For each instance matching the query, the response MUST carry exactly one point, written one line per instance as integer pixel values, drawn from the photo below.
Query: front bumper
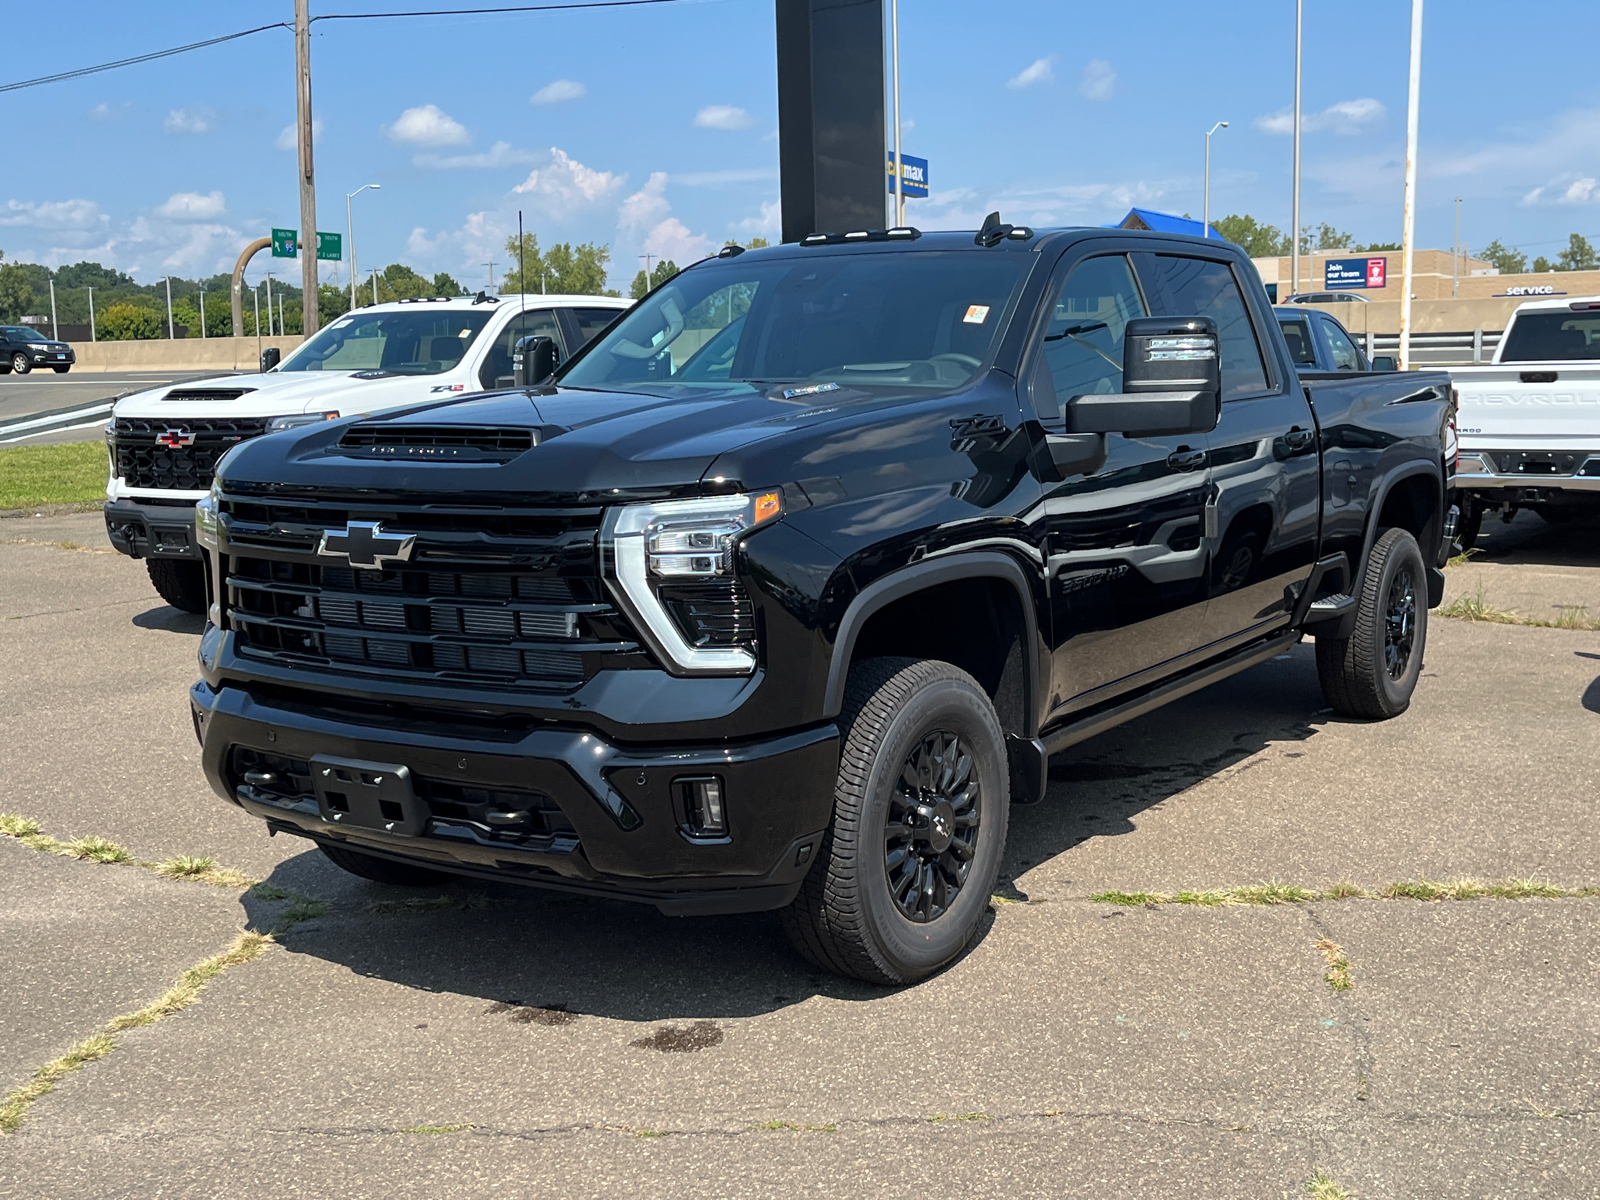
(624, 833)
(141, 529)
(52, 358)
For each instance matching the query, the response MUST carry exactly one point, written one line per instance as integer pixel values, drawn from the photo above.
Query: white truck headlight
(670, 566)
(279, 424)
(205, 520)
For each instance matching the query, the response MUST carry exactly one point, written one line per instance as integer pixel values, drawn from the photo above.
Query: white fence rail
(1438, 349)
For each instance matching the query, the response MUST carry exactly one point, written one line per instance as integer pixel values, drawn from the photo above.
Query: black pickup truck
(779, 593)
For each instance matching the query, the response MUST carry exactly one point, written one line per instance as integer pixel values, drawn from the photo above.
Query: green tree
(1251, 236)
(1578, 256)
(659, 274)
(400, 282)
(564, 268)
(1541, 265)
(756, 243)
(1326, 237)
(445, 285)
(16, 292)
(1510, 261)
(332, 303)
(1381, 246)
(128, 322)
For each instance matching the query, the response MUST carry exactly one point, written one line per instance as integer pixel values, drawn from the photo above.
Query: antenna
(522, 283)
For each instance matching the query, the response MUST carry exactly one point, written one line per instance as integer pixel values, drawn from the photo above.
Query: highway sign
(914, 175)
(285, 243)
(330, 246)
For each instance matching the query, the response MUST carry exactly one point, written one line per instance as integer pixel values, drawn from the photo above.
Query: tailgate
(1550, 403)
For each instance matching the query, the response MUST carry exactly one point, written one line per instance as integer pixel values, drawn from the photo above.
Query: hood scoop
(438, 443)
(201, 395)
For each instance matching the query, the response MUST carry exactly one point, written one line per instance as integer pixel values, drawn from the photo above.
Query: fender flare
(1375, 510)
(930, 572)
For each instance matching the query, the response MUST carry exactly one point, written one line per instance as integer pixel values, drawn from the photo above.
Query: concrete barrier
(181, 354)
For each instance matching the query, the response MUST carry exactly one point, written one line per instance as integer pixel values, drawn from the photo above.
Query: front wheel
(62, 370)
(20, 364)
(921, 805)
(1371, 674)
(180, 582)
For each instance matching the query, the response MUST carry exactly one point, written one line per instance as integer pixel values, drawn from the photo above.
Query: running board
(1062, 736)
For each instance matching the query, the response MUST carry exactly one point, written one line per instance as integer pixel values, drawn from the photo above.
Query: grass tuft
(184, 867)
(1476, 607)
(1321, 1186)
(1132, 899)
(1338, 975)
(14, 826)
(1272, 893)
(246, 947)
(1204, 899)
(15, 1106)
(1345, 891)
(98, 849)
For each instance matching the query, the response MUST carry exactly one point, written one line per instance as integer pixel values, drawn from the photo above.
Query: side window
(1197, 287)
(1083, 343)
(1301, 350)
(1345, 355)
(592, 320)
(496, 369)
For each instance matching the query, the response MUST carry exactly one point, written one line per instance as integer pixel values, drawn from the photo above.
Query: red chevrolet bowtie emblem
(176, 439)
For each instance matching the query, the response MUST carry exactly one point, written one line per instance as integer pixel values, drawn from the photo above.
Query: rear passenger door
(1261, 516)
(495, 371)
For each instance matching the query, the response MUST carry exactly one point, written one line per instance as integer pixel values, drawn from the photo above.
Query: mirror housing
(1385, 362)
(270, 357)
(533, 360)
(1171, 382)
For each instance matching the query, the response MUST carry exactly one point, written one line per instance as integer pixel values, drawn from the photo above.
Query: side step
(1330, 607)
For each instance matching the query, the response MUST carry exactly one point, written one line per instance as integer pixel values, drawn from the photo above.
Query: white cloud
(104, 111)
(1567, 189)
(559, 90)
(672, 239)
(426, 125)
(289, 137)
(767, 224)
(202, 246)
(566, 184)
(1346, 118)
(192, 206)
(722, 116)
(500, 154)
(1041, 70)
(646, 206)
(731, 175)
(1098, 79)
(53, 215)
(190, 120)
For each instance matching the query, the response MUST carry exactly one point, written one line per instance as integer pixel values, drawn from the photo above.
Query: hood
(284, 393)
(588, 445)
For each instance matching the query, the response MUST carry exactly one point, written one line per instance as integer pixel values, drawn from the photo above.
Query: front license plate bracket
(367, 795)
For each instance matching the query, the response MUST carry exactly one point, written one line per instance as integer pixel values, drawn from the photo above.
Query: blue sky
(654, 129)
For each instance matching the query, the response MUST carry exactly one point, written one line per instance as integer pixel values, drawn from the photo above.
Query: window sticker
(977, 314)
(465, 333)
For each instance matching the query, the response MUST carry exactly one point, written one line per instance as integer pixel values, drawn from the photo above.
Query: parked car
(1530, 421)
(788, 585)
(1326, 298)
(1317, 342)
(22, 348)
(165, 443)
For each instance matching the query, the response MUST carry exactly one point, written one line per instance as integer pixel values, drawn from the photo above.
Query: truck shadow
(170, 620)
(542, 957)
(1531, 540)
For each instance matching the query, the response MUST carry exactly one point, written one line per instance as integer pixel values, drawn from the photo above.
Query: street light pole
(269, 303)
(1413, 102)
(350, 235)
(894, 67)
(1455, 256)
(171, 332)
(54, 335)
(92, 336)
(202, 314)
(1205, 232)
(1294, 219)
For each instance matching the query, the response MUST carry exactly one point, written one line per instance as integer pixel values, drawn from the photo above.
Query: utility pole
(490, 265)
(308, 184)
(894, 68)
(269, 303)
(171, 332)
(375, 283)
(255, 294)
(54, 336)
(202, 314)
(1205, 223)
(1294, 220)
(1413, 102)
(1455, 256)
(647, 258)
(92, 336)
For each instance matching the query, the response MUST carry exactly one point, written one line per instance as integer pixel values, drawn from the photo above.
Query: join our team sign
(1355, 272)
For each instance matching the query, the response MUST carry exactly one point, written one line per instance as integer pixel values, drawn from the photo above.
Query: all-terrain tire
(906, 718)
(1371, 674)
(383, 870)
(180, 581)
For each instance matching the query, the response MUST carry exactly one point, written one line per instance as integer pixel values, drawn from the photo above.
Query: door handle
(1185, 459)
(1297, 438)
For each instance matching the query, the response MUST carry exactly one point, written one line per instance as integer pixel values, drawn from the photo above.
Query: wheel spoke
(931, 831)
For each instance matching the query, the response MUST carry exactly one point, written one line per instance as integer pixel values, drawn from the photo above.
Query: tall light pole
(53, 334)
(1455, 256)
(1294, 218)
(1413, 102)
(350, 235)
(894, 67)
(202, 314)
(1206, 210)
(171, 333)
(269, 303)
(92, 336)
(308, 184)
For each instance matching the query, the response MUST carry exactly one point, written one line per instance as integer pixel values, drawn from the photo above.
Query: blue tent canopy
(1159, 222)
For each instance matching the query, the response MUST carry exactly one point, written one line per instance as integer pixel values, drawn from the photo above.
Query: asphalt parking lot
(493, 1041)
(42, 407)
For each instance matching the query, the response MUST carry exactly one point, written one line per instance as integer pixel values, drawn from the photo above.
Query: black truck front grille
(454, 613)
(179, 454)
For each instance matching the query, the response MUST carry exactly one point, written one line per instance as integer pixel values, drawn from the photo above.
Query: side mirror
(270, 357)
(533, 360)
(1171, 382)
(1385, 362)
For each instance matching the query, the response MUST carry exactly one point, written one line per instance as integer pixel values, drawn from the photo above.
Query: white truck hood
(1498, 409)
(278, 394)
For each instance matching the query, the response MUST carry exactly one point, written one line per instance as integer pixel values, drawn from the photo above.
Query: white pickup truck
(164, 444)
(1529, 423)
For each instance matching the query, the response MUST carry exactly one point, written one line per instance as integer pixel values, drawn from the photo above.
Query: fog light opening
(703, 811)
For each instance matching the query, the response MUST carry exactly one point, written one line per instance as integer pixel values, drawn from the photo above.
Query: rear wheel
(383, 870)
(20, 364)
(182, 583)
(920, 811)
(1372, 673)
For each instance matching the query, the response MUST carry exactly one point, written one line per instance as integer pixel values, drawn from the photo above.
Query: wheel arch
(1411, 498)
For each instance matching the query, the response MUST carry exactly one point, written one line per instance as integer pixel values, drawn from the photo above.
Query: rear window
(1301, 351)
(1552, 337)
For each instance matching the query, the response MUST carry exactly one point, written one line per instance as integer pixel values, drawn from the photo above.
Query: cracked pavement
(490, 1046)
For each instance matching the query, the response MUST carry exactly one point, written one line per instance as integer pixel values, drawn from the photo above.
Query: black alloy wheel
(1400, 622)
(934, 822)
(1371, 674)
(20, 364)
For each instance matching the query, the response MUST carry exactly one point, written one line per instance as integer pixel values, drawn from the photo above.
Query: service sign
(1340, 273)
(913, 176)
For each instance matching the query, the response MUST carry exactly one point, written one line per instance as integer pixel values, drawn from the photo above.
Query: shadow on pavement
(170, 620)
(543, 950)
(1530, 539)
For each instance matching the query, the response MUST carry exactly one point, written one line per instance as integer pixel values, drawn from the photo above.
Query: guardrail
(1438, 349)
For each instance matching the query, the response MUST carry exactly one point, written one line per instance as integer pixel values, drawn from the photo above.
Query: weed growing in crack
(435, 1128)
(792, 1127)
(18, 827)
(15, 1106)
(98, 849)
(967, 1116)
(1338, 975)
(1321, 1186)
(1284, 893)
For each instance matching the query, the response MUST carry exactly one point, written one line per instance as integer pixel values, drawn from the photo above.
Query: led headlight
(279, 424)
(205, 520)
(658, 550)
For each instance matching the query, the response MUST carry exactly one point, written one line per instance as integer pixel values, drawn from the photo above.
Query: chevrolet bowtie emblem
(175, 439)
(364, 544)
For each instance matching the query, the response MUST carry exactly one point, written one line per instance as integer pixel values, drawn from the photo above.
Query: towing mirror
(1171, 380)
(534, 359)
(270, 357)
(1384, 362)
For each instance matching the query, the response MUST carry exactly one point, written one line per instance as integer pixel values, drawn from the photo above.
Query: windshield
(396, 343)
(1552, 336)
(928, 319)
(21, 333)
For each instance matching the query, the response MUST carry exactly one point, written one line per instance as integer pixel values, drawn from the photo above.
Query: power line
(140, 58)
